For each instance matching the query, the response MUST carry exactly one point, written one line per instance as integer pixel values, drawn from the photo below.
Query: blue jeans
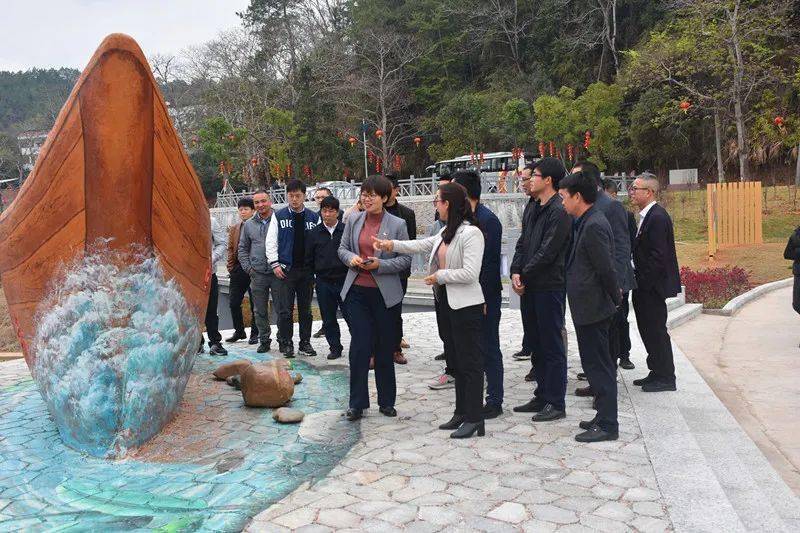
(493, 363)
(373, 331)
(544, 314)
(330, 300)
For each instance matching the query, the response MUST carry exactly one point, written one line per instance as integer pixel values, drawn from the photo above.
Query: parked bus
(493, 167)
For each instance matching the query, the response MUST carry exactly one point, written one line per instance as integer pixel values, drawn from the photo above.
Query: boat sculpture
(105, 258)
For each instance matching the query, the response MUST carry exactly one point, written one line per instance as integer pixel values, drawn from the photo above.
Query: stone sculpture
(106, 258)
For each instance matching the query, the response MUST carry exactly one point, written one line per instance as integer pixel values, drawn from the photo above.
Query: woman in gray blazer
(372, 295)
(455, 254)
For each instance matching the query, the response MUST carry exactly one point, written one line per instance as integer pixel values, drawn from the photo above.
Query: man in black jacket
(792, 252)
(617, 218)
(322, 258)
(537, 275)
(593, 296)
(657, 278)
(393, 207)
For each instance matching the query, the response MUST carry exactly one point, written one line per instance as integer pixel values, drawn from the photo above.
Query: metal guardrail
(421, 187)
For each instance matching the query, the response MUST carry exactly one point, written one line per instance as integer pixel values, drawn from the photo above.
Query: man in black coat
(792, 252)
(393, 207)
(657, 278)
(593, 295)
(617, 217)
(537, 275)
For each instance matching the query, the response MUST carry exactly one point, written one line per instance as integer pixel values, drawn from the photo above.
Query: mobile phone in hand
(367, 262)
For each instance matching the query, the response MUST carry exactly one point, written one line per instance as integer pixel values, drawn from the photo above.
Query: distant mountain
(31, 100)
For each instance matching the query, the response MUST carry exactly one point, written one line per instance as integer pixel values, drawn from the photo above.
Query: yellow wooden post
(712, 219)
(759, 215)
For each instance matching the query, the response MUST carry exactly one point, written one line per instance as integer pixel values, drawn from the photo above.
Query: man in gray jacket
(253, 258)
(219, 246)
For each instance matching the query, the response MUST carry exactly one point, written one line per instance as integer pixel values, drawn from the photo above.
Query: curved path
(750, 360)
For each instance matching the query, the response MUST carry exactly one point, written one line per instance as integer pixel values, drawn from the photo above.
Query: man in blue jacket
(285, 249)
(492, 289)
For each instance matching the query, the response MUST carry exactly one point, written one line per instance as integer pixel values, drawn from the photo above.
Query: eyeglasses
(634, 188)
(368, 195)
(437, 201)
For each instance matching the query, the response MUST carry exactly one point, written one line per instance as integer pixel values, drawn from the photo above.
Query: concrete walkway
(750, 360)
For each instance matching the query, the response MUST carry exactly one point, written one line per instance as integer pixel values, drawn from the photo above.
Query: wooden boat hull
(112, 168)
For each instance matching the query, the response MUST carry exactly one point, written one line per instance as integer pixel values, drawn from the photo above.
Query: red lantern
(370, 156)
(231, 136)
(587, 139)
(352, 141)
(779, 121)
(480, 158)
(307, 171)
(398, 162)
(288, 170)
(254, 161)
(378, 165)
(378, 133)
(417, 141)
(570, 152)
(541, 148)
(685, 105)
(221, 168)
(552, 148)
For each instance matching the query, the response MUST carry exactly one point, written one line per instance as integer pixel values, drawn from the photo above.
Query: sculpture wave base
(114, 347)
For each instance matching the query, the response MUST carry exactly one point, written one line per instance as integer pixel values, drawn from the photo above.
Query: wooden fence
(734, 214)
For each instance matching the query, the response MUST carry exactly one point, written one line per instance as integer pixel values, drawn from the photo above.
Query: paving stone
(510, 512)
(553, 513)
(335, 501)
(579, 505)
(439, 515)
(297, 518)
(417, 487)
(338, 518)
(599, 523)
(399, 514)
(615, 511)
(641, 494)
(370, 508)
(582, 479)
(618, 479)
(648, 509)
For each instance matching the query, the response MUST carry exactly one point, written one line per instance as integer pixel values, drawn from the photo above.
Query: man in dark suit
(657, 279)
(617, 217)
(593, 296)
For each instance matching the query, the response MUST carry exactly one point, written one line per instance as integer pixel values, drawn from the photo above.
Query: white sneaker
(445, 381)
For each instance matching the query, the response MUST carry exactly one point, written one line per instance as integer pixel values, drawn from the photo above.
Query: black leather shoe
(287, 350)
(533, 406)
(491, 411)
(388, 411)
(530, 376)
(217, 349)
(201, 349)
(596, 434)
(626, 363)
(354, 414)
(549, 413)
(237, 336)
(305, 348)
(264, 347)
(584, 391)
(319, 334)
(334, 355)
(468, 429)
(587, 424)
(647, 379)
(453, 423)
(658, 385)
(581, 376)
(253, 340)
(521, 355)
(439, 357)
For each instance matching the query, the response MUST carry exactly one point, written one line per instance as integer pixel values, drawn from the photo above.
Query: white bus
(493, 166)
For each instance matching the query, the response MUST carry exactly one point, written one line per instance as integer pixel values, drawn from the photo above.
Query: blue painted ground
(238, 463)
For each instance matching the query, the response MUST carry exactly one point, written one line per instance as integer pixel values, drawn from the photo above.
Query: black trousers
(372, 332)
(404, 284)
(796, 294)
(464, 349)
(212, 318)
(544, 318)
(330, 300)
(299, 284)
(623, 328)
(239, 286)
(601, 370)
(651, 318)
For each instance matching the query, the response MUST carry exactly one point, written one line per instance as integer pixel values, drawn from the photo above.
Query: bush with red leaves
(714, 287)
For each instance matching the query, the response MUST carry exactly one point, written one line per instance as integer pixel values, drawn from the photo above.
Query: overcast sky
(65, 33)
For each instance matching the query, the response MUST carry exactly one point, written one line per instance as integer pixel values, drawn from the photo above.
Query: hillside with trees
(707, 84)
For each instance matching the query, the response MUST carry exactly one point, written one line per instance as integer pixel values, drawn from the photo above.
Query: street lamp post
(364, 137)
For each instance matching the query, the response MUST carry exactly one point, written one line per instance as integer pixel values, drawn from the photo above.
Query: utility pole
(364, 137)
